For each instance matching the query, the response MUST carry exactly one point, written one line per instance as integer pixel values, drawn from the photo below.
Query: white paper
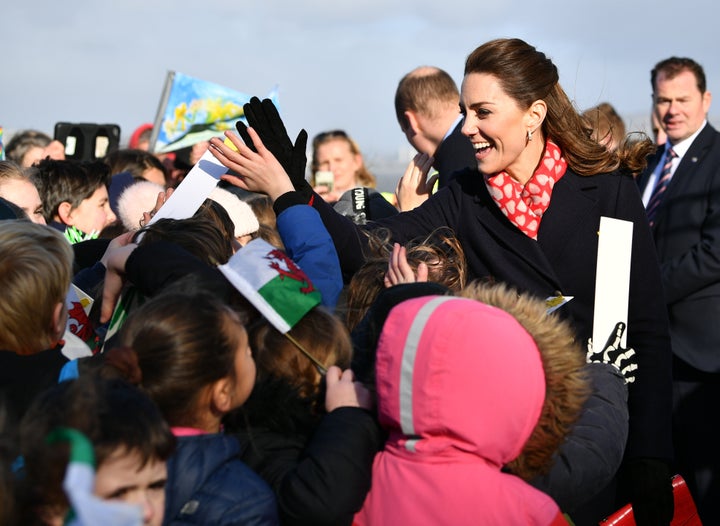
(612, 283)
(193, 190)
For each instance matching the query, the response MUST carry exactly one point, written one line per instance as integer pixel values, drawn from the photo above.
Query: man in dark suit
(681, 191)
(427, 104)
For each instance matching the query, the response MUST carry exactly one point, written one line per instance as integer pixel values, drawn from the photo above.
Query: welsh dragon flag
(272, 282)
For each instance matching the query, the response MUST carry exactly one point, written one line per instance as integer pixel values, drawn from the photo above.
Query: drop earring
(529, 136)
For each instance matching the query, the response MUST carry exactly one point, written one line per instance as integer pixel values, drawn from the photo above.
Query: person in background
(27, 147)
(335, 152)
(75, 197)
(426, 106)
(681, 189)
(140, 138)
(19, 189)
(141, 164)
(607, 125)
(347, 183)
(657, 131)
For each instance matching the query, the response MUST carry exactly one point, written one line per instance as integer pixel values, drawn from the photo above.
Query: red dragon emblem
(79, 325)
(287, 268)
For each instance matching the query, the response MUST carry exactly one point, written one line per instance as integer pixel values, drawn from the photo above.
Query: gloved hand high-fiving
(264, 118)
(624, 360)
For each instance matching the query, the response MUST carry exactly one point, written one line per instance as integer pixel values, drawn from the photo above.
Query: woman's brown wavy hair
(528, 75)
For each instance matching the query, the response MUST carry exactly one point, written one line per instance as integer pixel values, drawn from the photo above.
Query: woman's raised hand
(257, 172)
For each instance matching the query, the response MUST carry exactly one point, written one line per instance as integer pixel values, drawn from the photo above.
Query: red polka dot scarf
(525, 205)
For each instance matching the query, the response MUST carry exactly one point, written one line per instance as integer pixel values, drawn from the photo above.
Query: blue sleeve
(309, 244)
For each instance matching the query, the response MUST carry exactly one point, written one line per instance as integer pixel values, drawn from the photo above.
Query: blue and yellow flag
(193, 110)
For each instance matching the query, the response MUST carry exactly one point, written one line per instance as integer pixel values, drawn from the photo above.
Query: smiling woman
(529, 216)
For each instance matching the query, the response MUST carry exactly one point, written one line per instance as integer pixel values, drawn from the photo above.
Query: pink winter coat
(460, 387)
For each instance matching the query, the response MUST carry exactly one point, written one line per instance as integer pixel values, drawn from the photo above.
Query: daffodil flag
(79, 482)
(272, 282)
(192, 110)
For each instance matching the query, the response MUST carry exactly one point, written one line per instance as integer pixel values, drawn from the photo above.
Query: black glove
(264, 118)
(647, 483)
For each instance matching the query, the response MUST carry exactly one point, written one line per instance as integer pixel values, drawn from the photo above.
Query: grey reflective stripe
(407, 366)
(410, 444)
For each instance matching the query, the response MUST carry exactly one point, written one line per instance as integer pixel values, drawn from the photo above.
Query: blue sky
(336, 62)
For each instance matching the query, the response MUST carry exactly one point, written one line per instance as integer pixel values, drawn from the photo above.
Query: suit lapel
(689, 164)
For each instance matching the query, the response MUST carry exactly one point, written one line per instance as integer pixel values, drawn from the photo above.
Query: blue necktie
(661, 186)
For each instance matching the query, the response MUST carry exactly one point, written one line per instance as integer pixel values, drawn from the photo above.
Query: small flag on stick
(275, 285)
(79, 482)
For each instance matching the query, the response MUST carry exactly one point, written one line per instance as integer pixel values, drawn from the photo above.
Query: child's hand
(161, 199)
(342, 391)
(399, 270)
(114, 278)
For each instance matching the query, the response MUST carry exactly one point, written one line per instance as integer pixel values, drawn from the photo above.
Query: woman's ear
(536, 115)
(65, 213)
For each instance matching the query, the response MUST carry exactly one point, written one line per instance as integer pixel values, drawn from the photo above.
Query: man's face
(679, 105)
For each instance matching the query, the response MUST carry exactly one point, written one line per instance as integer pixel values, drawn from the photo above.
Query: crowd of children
(261, 361)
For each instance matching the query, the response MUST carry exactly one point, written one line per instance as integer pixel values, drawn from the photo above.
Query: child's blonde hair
(35, 273)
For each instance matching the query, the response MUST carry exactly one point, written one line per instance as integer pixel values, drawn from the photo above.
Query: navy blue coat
(208, 484)
(687, 238)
